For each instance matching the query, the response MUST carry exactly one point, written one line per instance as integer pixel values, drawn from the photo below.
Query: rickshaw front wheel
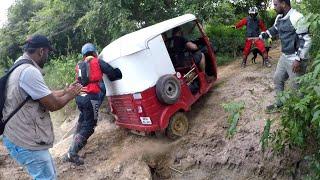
(178, 126)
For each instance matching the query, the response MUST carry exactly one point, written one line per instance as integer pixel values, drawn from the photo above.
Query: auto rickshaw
(155, 91)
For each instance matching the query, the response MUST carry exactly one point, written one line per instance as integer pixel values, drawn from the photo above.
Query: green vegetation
(234, 109)
(70, 24)
(265, 135)
(227, 40)
(224, 59)
(61, 71)
(1, 71)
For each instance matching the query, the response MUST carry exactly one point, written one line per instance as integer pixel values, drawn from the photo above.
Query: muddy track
(205, 153)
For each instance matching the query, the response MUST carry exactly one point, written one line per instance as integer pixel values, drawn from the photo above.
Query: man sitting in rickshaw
(181, 45)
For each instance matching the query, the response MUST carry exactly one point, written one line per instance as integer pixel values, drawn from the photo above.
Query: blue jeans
(38, 163)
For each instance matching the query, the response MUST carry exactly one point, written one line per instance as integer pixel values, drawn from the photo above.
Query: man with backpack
(89, 74)
(254, 25)
(28, 134)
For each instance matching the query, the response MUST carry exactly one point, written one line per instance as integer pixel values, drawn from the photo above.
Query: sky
(5, 4)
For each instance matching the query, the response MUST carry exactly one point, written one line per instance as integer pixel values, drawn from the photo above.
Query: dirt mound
(204, 153)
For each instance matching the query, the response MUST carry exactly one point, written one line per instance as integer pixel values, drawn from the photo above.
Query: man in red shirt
(254, 25)
(88, 100)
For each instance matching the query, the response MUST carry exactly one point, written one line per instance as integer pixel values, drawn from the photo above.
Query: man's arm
(62, 92)
(112, 73)
(302, 30)
(32, 82)
(271, 32)
(59, 93)
(53, 102)
(241, 23)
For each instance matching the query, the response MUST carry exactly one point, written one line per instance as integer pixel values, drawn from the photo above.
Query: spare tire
(168, 89)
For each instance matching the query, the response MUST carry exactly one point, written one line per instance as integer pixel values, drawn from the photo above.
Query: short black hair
(29, 50)
(286, 1)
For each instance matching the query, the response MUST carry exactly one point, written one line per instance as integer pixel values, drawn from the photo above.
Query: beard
(43, 61)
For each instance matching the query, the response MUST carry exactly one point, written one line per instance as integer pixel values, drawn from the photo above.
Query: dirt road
(205, 153)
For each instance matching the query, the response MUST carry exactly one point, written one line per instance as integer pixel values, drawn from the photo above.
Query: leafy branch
(266, 135)
(234, 109)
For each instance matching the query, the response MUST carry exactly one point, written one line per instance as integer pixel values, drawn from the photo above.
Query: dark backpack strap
(17, 109)
(17, 64)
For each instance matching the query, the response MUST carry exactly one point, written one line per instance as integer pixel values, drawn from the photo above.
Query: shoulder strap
(17, 64)
(17, 109)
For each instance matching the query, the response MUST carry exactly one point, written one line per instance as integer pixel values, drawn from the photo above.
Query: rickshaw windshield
(190, 30)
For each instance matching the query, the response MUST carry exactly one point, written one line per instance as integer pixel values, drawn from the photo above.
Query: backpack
(84, 72)
(3, 82)
(89, 71)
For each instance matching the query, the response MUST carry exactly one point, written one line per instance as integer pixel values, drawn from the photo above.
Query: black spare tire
(168, 89)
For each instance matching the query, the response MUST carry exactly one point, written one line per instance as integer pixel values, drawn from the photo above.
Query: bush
(268, 17)
(61, 71)
(228, 41)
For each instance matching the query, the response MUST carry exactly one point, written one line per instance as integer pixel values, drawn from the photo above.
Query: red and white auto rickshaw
(154, 93)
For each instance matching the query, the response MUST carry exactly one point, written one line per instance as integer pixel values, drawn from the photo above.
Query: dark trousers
(88, 106)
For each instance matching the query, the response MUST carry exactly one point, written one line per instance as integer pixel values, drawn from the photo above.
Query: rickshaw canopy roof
(138, 40)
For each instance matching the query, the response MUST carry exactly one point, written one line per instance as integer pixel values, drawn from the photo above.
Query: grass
(224, 59)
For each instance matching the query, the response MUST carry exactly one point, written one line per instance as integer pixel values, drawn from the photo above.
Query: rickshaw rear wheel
(168, 89)
(178, 126)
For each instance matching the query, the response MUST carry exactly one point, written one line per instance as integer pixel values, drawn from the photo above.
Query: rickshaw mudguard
(170, 111)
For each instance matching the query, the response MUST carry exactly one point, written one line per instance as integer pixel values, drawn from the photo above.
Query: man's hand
(264, 35)
(296, 66)
(53, 102)
(74, 89)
